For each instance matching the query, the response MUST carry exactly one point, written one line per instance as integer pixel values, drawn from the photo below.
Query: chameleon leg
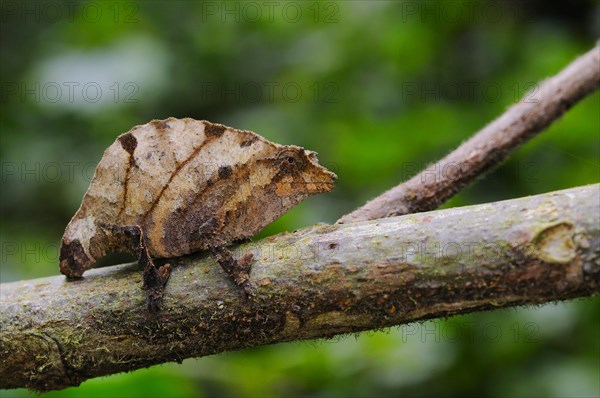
(237, 270)
(155, 278)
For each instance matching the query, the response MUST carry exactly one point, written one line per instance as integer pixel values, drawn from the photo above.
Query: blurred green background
(380, 89)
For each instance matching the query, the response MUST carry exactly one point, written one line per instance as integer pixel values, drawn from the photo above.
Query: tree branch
(490, 146)
(316, 282)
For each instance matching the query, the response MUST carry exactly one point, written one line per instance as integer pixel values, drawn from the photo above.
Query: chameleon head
(301, 171)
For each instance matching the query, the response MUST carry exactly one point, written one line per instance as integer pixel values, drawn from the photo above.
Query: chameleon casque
(177, 186)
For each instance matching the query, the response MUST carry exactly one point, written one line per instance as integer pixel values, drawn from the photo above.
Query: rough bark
(490, 146)
(315, 282)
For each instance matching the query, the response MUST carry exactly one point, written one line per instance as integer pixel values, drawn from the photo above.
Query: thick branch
(490, 146)
(316, 282)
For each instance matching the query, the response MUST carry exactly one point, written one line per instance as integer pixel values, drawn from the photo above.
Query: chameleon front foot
(238, 270)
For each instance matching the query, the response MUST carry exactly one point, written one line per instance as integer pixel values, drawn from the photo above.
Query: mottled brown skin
(176, 186)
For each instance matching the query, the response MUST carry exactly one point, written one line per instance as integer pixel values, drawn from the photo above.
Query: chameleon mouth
(326, 176)
(329, 184)
(324, 182)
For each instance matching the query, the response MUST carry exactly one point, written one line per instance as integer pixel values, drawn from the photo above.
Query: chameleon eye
(290, 159)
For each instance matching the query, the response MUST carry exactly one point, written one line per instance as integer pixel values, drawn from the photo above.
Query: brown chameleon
(177, 186)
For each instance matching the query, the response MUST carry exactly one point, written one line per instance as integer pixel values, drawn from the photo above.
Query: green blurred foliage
(379, 89)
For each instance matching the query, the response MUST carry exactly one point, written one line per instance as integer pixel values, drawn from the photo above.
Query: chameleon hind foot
(155, 278)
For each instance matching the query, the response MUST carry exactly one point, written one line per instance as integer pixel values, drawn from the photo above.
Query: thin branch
(490, 146)
(316, 282)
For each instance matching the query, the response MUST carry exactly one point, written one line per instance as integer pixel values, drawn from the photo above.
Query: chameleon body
(177, 186)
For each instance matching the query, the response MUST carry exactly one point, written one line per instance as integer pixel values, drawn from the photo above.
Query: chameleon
(174, 187)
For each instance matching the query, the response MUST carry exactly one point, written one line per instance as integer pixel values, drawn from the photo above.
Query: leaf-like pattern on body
(190, 185)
